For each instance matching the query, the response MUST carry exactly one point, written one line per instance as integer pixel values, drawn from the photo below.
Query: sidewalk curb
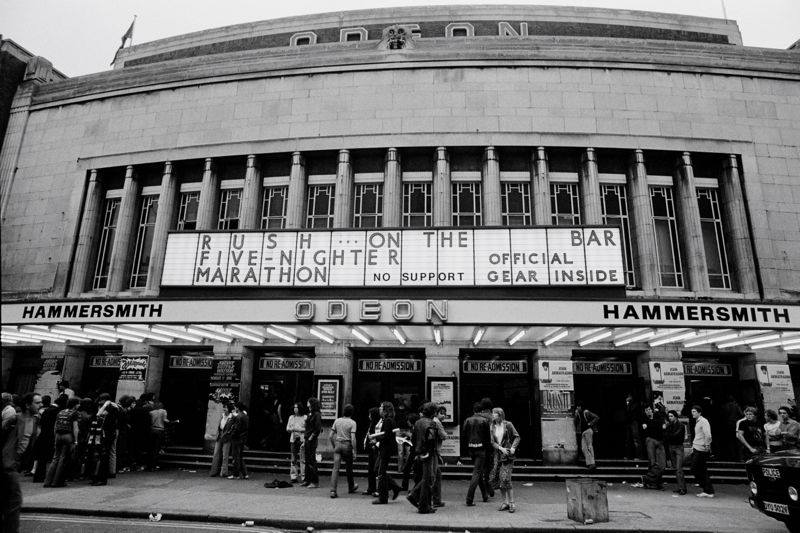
(301, 525)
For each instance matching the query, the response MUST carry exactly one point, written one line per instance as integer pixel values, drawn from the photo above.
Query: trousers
(478, 460)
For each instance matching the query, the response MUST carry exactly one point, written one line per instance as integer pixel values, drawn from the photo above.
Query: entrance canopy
(402, 321)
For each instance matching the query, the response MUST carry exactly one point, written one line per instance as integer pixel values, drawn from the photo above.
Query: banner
(393, 258)
(776, 385)
(132, 368)
(556, 375)
(667, 381)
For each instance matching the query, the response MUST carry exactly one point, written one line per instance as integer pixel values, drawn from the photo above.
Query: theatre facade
(540, 205)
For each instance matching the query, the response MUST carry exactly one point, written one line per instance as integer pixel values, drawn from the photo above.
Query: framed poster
(442, 392)
(329, 390)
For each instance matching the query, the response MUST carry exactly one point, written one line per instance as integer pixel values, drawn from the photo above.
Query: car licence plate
(772, 473)
(779, 508)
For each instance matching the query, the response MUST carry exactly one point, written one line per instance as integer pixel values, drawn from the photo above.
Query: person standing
(411, 465)
(424, 438)
(750, 433)
(239, 433)
(772, 432)
(11, 503)
(789, 429)
(387, 447)
(701, 450)
(653, 427)
(476, 431)
(674, 434)
(486, 413)
(28, 431)
(586, 423)
(222, 446)
(441, 436)
(66, 435)
(633, 421)
(296, 427)
(313, 429)
(63, 388)
(372, 453)
(158, 427)
(124, 444)
(505, 441)
(102, 433)
(343, 442)
(730, 415)
(46, 441)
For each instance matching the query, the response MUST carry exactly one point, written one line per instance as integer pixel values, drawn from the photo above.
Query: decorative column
(252, 195)
(590, 188)
(643, 234)
(333, 360)
(392, 190)
(442, 191)
(492, 203)
(164, 219)
(120, 253)
(737, 236)
(540, 187)
(87, 239)
(342, 203)
(689, 219)
(209, 198)
(296, 199)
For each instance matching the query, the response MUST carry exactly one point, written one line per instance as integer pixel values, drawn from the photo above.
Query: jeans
(676, 456)
(156, 442)
(238, 468)
(219, 464)
(58, 468)
(100, 462)
(700, 470)
(298, 461)
(385, 481)
(478, 460)
(112, 455)
(12, 501)
(633, 446)
(488, 464)
(657, 461)
(587, 446)
(437, 481)
(372, 471)
(420, 496)
(312, 473)
(342, 452)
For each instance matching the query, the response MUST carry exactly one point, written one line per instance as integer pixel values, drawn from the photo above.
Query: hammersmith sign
(393, 258)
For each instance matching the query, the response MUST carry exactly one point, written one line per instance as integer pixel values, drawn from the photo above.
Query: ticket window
(506, 380)
(601, 386)
(397, 377)
(280, 381)
(184, 392)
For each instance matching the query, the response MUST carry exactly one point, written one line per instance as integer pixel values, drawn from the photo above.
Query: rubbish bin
(587, 500)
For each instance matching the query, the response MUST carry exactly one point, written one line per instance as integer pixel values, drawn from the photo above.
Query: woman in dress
(505, 441)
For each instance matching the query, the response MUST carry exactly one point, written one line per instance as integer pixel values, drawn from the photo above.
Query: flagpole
(134, 23)
(724, 11)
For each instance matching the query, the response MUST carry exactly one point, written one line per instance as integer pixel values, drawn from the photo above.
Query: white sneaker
(704, 495)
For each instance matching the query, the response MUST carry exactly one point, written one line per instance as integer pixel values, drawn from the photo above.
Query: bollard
(587, 500)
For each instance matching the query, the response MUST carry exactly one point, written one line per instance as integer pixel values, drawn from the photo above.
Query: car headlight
(793, 494)
(754, 488)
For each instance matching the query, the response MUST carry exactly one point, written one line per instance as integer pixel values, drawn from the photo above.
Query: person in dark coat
(387, 447)
(313, 429)
(46, 442)
(476, 432)
(239, 434)
(424, 438)
(674, 435)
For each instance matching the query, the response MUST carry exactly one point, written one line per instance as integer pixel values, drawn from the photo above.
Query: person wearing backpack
(66, 435)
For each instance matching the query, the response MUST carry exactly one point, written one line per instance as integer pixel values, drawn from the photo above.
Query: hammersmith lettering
(696, 313)
(93, 311)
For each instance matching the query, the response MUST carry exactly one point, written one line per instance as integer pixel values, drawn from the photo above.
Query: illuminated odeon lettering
(371, 310)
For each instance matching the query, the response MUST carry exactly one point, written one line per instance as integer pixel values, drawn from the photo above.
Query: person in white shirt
(222, 446)
(701, 449)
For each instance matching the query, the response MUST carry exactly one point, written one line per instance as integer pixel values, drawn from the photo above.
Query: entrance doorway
(184, 393)
(505, 379)
(397, 377)
(714, 385)
(601, 385)
(281, 379)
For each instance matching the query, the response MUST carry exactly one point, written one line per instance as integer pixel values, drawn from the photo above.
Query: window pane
(466, 204)
(229, 204)
(273, 209)
(144, 241)
(319, 211)
(516, 200)
(106, 243)
(615, 213)
(666, 237)
(564, 204)
(417, 205)
(187, 212)
(713, 239)
(368, 205)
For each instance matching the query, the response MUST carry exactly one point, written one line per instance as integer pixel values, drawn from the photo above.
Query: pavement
(193, 496)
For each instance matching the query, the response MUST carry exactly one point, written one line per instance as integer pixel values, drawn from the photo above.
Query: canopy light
(239, 331)
(517, 336)
(398, 334)
(597, 336)
(672, 338)
(555, 336)
(478, 335)
(636, 337)
(275, 332)
(360, 335)
(321, 334)
(208, 334)
(437, 335)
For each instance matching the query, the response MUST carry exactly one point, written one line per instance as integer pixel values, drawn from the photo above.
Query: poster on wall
(226, 376)
(442, 393)
(667, 382)
(451, 446)
(556, 375)
(132, 368)
(775, 382)
(328, 394)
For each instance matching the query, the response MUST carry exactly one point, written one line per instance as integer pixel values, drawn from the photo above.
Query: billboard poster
(451, 446)
(442, 394)
(775, 382)
(556, 375)
(132, 368)
(226, 376)
(667, 382)
(328, 394)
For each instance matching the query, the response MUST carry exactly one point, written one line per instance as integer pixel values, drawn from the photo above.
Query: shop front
(505, 378)
(281, 379)
(394, 376)
(602, 382)
(185, 388)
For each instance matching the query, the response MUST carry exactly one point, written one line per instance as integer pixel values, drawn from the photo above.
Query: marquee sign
(390, 365)
(589, 256)
(495, 367)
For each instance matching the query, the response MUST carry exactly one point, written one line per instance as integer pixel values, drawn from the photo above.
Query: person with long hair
(313, 429)
(505, 441)
(372, 453)
(772, 432)
(343, 442)
(387, 447)
(296, 427)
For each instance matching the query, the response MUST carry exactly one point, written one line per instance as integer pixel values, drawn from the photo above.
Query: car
(775, 486)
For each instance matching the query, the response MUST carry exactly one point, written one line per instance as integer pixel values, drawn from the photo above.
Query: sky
(80, 36)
